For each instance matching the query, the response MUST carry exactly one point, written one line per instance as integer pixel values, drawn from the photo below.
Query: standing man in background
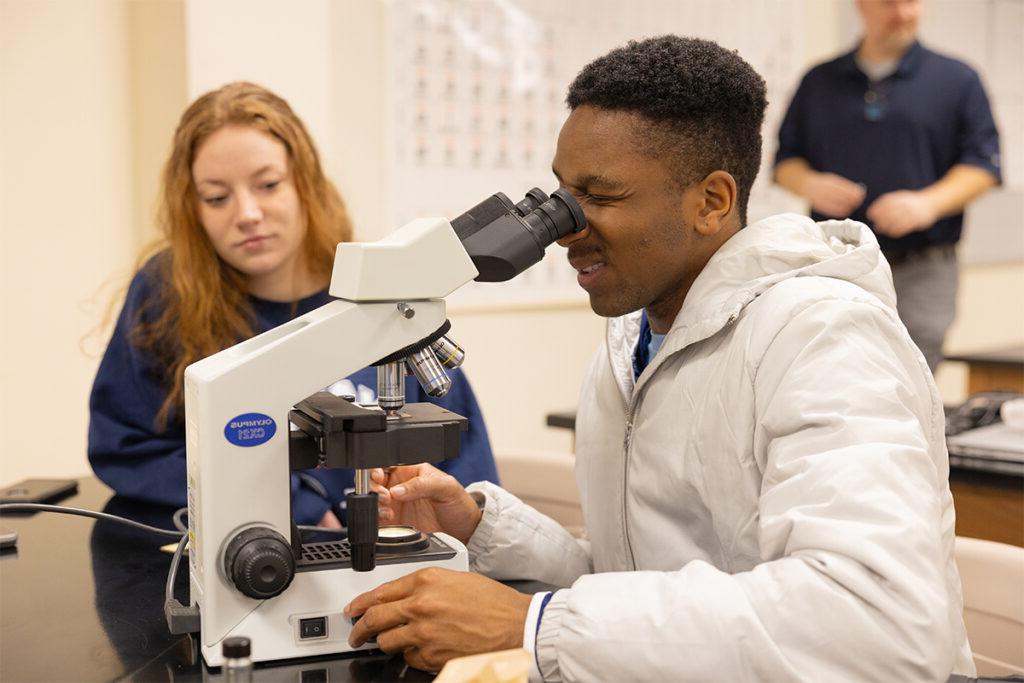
(902, 139)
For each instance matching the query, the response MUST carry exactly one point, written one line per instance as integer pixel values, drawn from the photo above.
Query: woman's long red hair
(203, 305)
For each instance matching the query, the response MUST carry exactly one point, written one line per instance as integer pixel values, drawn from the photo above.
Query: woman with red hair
(250, 224)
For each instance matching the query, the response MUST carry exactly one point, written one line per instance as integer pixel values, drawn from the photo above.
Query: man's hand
(831, 194)
(426, 498)
(434, 615)
(898, 213)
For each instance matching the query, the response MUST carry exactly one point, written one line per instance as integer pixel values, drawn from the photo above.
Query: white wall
(283, 46)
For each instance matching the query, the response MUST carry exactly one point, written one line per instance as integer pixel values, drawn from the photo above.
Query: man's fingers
(376, 620)
(855, 193)
(384, 593)
(849, 196)
(837, 196)
(416, 658)
(380, 490)
(397, 639)
(418, 488)
(834, 209)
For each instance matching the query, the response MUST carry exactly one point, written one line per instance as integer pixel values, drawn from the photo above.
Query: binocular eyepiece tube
(504, 239)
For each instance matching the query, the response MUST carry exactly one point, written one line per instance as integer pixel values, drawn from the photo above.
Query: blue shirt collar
(645, 350)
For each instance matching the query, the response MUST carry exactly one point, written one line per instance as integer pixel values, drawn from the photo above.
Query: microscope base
(307, 620)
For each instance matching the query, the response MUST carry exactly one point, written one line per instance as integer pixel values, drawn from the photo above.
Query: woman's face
(249, 206)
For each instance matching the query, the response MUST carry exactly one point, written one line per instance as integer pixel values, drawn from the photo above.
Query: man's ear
(717, 202)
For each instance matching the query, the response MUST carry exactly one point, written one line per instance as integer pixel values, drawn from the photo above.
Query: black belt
(945, 250)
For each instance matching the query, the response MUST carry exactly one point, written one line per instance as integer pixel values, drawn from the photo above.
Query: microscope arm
(238, 402)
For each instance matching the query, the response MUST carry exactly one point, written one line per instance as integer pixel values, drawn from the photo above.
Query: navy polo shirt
(929, 115)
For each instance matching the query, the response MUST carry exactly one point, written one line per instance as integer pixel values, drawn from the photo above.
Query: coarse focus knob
(259, 561)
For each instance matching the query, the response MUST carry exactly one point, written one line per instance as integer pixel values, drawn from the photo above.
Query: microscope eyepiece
(504, 239)
(559, 215)
(531, 201)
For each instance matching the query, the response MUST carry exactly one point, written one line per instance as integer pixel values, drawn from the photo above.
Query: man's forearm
(792, 174)
(961, 185)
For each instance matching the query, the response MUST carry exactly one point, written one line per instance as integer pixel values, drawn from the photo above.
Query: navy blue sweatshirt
(131, 457)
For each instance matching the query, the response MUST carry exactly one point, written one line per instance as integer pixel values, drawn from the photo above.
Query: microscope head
(504, 239)
(429, 258)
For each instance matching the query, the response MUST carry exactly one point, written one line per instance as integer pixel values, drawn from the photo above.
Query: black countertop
(82, 600)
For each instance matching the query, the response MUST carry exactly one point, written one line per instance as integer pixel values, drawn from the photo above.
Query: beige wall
(90, 91)
(525, 363)
(66, 204)
(156, 45)
(990, 315)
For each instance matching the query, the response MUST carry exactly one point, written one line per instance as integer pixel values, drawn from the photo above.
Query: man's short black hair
(706, 105)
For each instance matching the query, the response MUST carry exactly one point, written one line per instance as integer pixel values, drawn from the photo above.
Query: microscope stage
(336, 555)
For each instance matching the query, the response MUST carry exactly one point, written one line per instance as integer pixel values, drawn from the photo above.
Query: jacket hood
(760, 256)
(782, 247)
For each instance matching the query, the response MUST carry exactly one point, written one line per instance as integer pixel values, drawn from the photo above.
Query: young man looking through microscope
(760, 448)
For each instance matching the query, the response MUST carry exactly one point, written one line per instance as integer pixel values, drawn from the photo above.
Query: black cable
(173, 571)
(177, 518)
(39, 507)
(180, 618)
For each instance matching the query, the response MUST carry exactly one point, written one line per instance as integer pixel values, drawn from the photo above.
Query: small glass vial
(237, 651)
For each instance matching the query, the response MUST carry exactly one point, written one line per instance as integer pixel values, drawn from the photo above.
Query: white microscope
(250, 573)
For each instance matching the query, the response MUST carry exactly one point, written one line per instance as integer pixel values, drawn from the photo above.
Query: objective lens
(429, 372)
(448, 352)
(391, 386)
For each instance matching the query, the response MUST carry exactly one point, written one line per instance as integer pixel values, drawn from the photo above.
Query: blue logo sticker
(250, 429)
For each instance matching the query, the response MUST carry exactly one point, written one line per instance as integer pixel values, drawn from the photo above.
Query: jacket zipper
(625, 487)
(625, 458)
(630, 406)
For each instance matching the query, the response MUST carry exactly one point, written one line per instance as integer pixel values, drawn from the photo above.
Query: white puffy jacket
(768, 501)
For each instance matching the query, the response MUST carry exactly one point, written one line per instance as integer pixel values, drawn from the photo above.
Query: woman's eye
(214, 201)
(271, 185)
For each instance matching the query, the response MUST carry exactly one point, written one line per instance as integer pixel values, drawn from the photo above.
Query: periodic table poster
(476, 97)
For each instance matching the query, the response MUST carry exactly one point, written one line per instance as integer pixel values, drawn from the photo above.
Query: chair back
(992, 575)
(545, 480)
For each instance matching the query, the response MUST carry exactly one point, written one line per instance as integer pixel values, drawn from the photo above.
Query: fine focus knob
(259, 562)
